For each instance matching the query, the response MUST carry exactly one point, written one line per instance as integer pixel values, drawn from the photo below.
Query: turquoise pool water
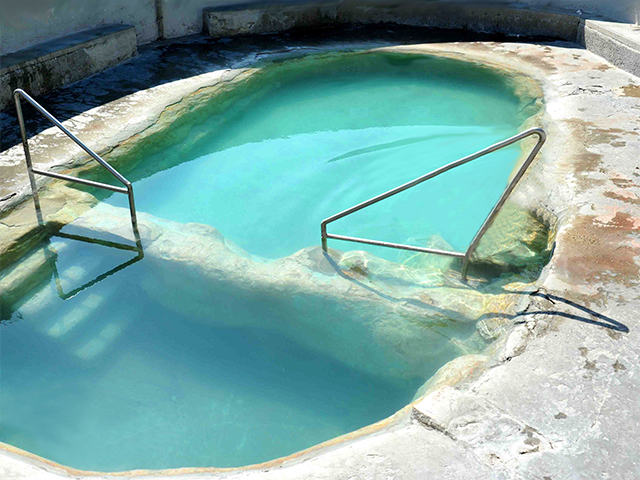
(111, 380)
(306, 139)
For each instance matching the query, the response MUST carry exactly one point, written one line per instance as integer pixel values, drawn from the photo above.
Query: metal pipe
(27, 156)
(53, 120)
(83, 181)
(428, 176)
(542, 137)
(132, 208)
(127, 189)
(485, 226)
(323, 235)
(396, 245)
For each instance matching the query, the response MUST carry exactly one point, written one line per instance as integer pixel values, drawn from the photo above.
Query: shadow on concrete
(592, 317)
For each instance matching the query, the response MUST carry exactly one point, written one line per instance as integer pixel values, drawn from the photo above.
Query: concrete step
(619, 43)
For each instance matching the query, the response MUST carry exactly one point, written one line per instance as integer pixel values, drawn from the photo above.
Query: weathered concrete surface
(615, 42)
(262, 18)
(558, 398)
(66, 60)
(27, 23)
(245, 19)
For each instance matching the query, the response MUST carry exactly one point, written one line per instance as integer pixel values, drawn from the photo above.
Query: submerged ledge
(588, 184)
(406, 315)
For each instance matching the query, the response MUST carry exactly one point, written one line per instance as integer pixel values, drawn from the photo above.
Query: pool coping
(558, 276)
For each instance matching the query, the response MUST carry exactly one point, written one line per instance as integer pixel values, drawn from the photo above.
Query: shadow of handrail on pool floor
(51, 257)
(341, 273)
(413, 301)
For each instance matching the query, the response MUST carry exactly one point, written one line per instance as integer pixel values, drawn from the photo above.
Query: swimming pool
(304, 139)
(202, 355)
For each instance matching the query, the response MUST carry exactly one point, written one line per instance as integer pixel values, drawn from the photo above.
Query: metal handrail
(128, 188)
(542, 136)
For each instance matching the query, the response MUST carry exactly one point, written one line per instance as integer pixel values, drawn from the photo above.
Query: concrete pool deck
(558, 397)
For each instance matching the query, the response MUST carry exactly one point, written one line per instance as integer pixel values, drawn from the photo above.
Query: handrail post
(323, 235)
(132, 205)
(542, 137)
(27, 156)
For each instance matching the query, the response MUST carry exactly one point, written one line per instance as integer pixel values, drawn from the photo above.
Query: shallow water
(308, 140)
(110, 380)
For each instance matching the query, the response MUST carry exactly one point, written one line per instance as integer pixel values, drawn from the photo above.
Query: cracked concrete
(556, 397)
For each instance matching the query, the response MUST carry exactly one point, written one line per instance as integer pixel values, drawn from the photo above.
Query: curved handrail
(466, 257)
(128, 188)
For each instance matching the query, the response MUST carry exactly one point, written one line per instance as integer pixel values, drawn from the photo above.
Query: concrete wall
(620, 10)
(61, 62)
(184, 17)
(24, 23)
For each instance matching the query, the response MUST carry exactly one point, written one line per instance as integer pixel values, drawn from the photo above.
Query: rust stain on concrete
(623, 196)
(600, 247)
(631, 90)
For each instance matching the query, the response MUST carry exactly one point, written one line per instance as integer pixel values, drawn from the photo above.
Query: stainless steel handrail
(128, 188)
(466, 257)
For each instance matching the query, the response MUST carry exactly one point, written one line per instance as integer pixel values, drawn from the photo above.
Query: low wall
(25, 23)
(619, 43)
(28, 22)
(65, 60)
(270, 18)
(613, 42)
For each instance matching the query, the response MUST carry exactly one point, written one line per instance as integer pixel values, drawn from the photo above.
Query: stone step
(619, 43)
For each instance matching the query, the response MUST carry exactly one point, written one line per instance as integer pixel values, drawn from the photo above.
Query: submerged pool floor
(110, 380)
(305, 139)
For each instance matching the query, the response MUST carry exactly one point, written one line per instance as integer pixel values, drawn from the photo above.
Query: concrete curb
(616, 42)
